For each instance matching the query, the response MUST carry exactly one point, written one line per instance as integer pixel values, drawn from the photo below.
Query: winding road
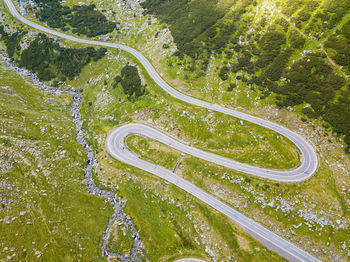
(115, 145)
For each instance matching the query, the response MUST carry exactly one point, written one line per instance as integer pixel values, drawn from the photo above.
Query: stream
(119, 215)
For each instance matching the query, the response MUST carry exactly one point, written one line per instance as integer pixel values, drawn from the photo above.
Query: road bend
(115, 145)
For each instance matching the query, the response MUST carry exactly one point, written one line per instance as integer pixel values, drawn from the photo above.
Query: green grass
(147, 212)
(223, 134)
(243, 192)
(314, 191)
(246, 143)
(179, 219)
(341, 199)
(153, 151)
(63, 221)
(120, 240)
(271, 153)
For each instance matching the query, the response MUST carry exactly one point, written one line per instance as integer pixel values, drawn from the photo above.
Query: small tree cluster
(131, 82)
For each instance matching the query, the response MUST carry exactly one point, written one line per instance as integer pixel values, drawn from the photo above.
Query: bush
(198, 27)
(291, 6)
(340, 43)
(131, 82)
(312, 81)
(305, 13)
(338, 114)
(223, 73)
(11, 41)
(296, 40)
(275, 70)
(270, 45)
(86, 20)
(283, 23)
(231, 87)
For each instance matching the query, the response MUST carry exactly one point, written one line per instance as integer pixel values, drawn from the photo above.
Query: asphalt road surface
(117, 148)
(115, 144)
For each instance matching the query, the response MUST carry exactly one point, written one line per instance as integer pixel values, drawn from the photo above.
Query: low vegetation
(171, 211)
(11, 41)
(301, 53)
(46, 211)
(83, 20)
(47, 58)
(150, 202)
(131, 82)
(283, 208)
(199, 27)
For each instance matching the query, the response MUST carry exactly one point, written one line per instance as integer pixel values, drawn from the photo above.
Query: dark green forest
(47, 58)
(204, 27)
(83, 20)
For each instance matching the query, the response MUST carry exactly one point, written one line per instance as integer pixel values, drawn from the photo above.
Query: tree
(130, 81)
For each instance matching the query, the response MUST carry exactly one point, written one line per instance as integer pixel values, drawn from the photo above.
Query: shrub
(11, 41)
(131, 82)
(231, 87)
(296, 40)
(223, 73)
(275, 70)
(199, 26)
(270, 45)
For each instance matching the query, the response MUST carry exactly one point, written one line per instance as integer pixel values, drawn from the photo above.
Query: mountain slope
(297, 50)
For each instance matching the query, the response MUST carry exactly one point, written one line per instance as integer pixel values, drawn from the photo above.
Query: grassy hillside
(246, 67)
(295, 50)
(181, 232)
(184, 226)
(45, 210)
